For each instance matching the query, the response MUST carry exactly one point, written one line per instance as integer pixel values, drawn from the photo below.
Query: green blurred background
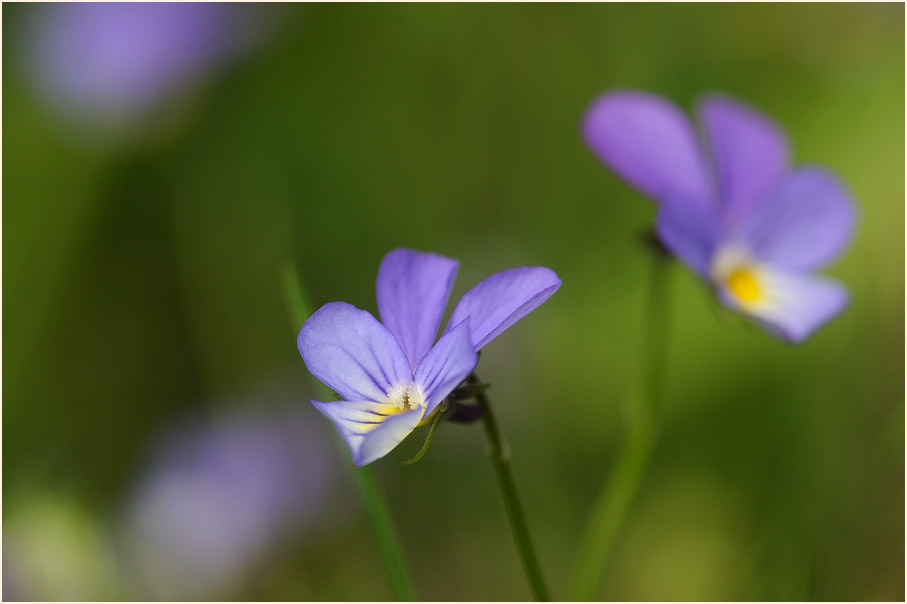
(141, 280)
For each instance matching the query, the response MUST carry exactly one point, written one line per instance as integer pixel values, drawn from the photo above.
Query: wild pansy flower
(390, 375)
(732, 209)
(112, 64)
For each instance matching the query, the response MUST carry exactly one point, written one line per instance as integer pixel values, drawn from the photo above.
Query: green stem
(364, 477)
(610, 510)
(500, 454)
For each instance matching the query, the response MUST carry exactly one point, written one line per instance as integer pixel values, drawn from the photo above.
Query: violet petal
(796, 304)
(649, 142)
(412, 290)
(749, 150)
(446, 365)
(503, 299)
(351, 352)
(803, 223)
(691, 231)
(388, 435)
(367, 429)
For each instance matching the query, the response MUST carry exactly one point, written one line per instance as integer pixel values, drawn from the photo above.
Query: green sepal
(441, 409)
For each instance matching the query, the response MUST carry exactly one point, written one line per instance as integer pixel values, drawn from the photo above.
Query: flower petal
(503, 299)
(650, 143)
(795, 304)
(446, 365)
(690, 230)
(388, 435)
(412, 289)
(749, 150)
(367, 428)
(803, 223)
(350, 351)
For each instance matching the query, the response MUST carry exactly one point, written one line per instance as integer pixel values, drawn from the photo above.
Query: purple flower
(220, 495)
(732, 209)
(390, 375)
(113, 62)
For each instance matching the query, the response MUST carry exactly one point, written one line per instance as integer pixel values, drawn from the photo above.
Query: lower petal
(791, 305)
(371, 430)
(385, 437)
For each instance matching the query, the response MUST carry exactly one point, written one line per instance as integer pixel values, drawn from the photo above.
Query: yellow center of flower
(743, 283)
(735, 272)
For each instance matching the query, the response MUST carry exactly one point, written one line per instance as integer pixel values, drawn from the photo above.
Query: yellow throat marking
(744, 285)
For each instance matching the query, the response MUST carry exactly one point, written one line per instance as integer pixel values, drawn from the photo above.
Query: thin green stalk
(364, 477)
(610, 510)
(500, 454)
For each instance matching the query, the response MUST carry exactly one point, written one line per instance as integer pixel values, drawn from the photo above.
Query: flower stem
(500, 455)
(618, 493)
(364, 477)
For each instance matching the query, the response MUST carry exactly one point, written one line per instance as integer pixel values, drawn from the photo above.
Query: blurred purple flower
(114, 61)
(221, 494)
(390, 375)
(733, 210)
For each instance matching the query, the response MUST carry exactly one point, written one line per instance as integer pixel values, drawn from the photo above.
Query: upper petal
(690, 230)
(503, 299)
(350, 351)
(650, 143)
(749, 150)
(446, 365)
(368, 428)
(794, 304)
(412, 291)
(803, 223)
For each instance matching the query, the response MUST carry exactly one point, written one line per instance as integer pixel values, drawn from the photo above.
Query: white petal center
(405, 397)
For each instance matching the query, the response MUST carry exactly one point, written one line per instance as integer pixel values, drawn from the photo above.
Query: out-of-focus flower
(390, 375)
(734, 210)
(111, 64)
(220, 495)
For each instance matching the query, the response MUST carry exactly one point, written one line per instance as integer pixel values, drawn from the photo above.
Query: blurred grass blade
(385, 537)
(300, 308)
(609, 515)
